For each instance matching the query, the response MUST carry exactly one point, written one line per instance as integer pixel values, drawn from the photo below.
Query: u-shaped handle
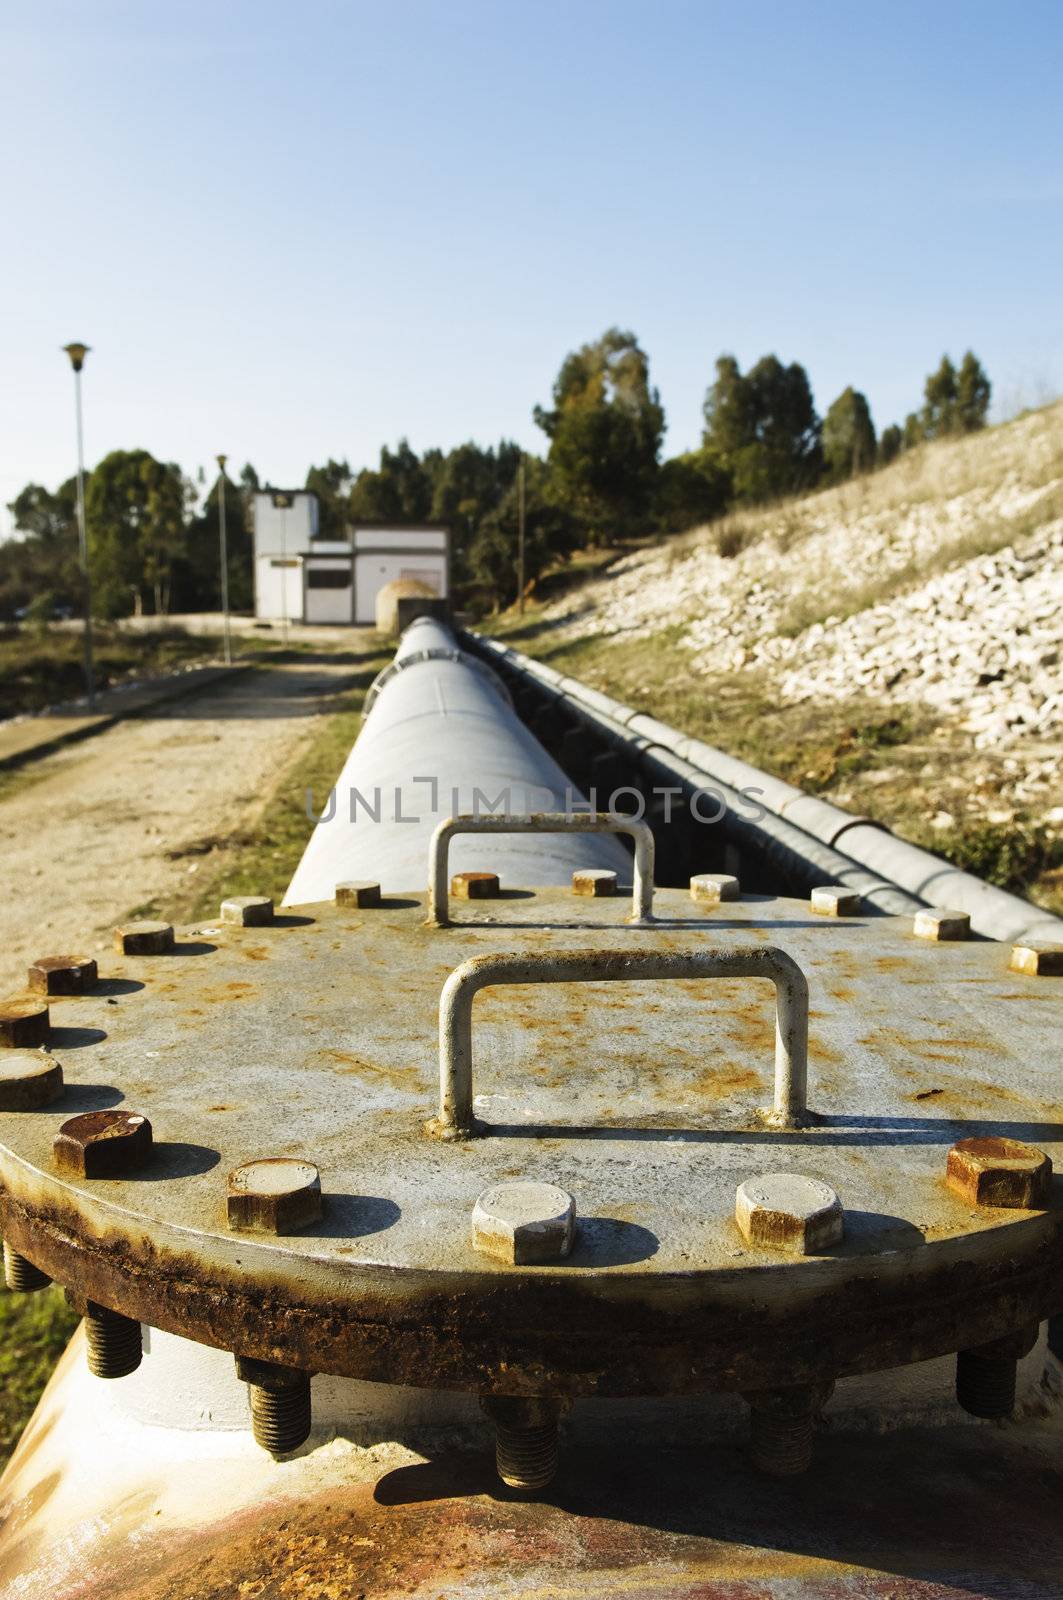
(790, 1107)
(542, 822)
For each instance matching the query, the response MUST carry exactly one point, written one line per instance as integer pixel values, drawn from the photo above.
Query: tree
(47, 557)
(134, 509)
(332, 485)
(763, 427)
(400, 490)
(973, 390)
(197, 571)
(469, 483)
(914, 431)
(939, 401)
(890, 444)
(848, 436)
(605, 430)
(551, 532)
(691, 489)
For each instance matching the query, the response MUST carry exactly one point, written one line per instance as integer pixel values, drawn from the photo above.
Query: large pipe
(441, 739)
(891, 864)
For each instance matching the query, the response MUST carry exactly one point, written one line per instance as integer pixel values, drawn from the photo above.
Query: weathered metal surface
(314, 1039)
(566, 822)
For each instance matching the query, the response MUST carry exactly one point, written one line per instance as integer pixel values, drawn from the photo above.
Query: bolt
(590, 881)
(20, 1275)
(280, 1404)
(941, 925)
(474, 885)
(985, 1376)
(248, 910)
(712, 887)
(524, 1223)
(144, 939)
(999, 1172)
(525, 1438)
(785, 1211)
(362, 893)
(24, 1024)
(1037, 959)
(275, 1195)
(782, 1423)
(831, 902)
(102, 1144)
(114, 1342)
(28, 1080)
(62, 975)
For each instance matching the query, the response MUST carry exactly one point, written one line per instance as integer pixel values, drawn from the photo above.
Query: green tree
(691, 489)
(469, 484)
(914, 430)
(551, 532)
(762, 427)
(45, 559)
(134, 507)
(939, 401)
(848, 436)
(890, 444)
(973, 390)
(332, 484)
(197, 571)
(400, 490)
(605, 430)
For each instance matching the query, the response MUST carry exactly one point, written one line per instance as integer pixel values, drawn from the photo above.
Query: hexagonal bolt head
(248, 910)
(28, 1080)
(941, 925)
(274, 1195)
(362, 893)
(831, 902)
(24, 1024)
(144, 939)
(1037, 959)
(103, 1144)
(712, 887)
(788, 1212)
(524, 1223)
(62, 975)
(1000, 1173)
(475, 885)
(590, 881)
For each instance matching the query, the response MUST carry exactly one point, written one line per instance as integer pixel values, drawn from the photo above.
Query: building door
(329, 592)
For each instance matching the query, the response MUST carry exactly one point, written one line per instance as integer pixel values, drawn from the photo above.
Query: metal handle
(790, 1106)
(542, 822)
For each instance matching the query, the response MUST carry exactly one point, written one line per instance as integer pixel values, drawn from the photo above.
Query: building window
(328, 577)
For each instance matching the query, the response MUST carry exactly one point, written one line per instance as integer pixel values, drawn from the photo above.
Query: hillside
(895, 643)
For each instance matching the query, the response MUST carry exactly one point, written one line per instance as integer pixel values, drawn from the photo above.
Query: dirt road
(89, 834)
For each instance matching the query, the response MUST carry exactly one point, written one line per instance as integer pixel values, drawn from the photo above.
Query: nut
(592, 882)
(522, 1223)
(23, 1023)
(275, 1195)
(786, 1211)
(144, 938)
(999, 1172)
(831, 902)
(474, 885)
(714, 887)
(1037, 959)
(103, 1144)
(360, 893)
(29, 1079)
(62, 975)
(932, 924)
(249, 910)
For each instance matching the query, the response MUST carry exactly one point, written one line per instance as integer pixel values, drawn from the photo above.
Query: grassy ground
(43, 666)
(34, 1329)
(895, 764)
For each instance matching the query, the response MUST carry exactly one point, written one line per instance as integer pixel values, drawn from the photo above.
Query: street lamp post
(282, 501)
(77, 354)
(223, 554)
(520, 537)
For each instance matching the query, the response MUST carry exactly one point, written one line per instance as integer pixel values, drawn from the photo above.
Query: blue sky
(301, 230)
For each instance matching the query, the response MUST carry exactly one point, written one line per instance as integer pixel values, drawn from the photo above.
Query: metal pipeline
(897, 876)
(441, 739)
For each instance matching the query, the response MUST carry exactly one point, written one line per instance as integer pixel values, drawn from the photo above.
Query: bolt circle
(144, 938)
(24, 1024)
(591, 881)
(28, 1080)
(248, 910)
(831, 901)
(62, 975)
(999, 1172)
(941, 925)
(361, 893)
(523, 1223)
(475, 885)
(103, 1144)
(277, 1194)
(712, 887)
(1037, 959)
(789, 1212)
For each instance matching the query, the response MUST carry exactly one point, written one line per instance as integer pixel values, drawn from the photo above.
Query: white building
(306, 578)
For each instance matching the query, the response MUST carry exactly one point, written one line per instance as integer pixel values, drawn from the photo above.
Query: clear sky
(298, 230)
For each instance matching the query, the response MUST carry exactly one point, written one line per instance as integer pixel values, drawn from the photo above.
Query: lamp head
(77, 354)
(282, 500)
(221, 460)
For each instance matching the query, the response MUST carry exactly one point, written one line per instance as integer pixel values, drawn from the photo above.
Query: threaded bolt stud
(782, 1425)
(114, 1343)
(20, 1275)
(985, 1376)
(280, 1404)
(525, 1440)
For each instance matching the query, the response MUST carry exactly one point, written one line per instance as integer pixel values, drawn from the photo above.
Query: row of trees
(153, 533)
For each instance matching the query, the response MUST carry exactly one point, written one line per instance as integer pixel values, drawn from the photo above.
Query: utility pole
(520, 537)
(282, 501)
(223, 551)
(77, 354)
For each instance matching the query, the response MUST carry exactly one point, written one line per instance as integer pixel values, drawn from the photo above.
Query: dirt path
(86, 839)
